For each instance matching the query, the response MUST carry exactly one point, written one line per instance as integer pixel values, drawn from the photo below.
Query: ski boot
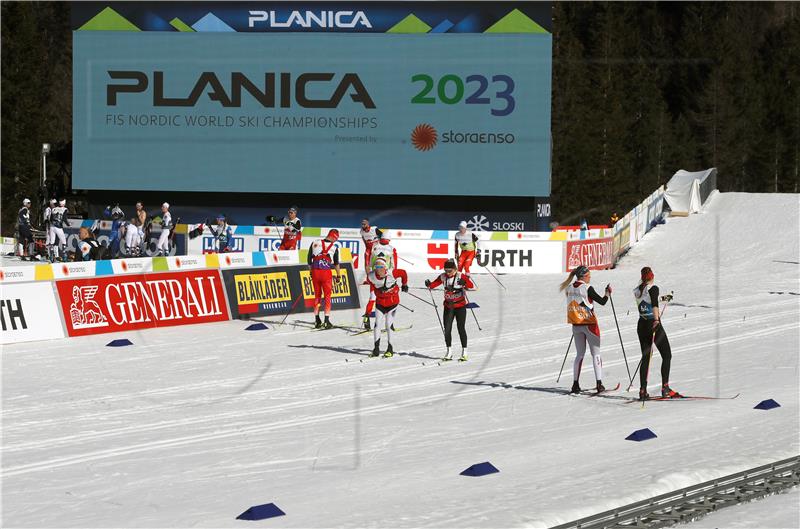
(392, 327)
(643, 395)
(576, 388)
(327, 324)
(600, 387)
(389, 352)
(463, 357)
(317, 322)
(366, 325)
(669, 393)
(447, 356)
(376, 351)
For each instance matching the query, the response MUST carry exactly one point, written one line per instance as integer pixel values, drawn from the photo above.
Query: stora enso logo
(424, 137)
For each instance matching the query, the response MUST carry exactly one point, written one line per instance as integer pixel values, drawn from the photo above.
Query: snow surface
(192, 425)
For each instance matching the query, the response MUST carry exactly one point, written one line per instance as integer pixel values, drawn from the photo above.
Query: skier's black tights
(460, 316)
(645, 331)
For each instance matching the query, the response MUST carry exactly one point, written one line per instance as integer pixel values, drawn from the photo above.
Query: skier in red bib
(455, 305)
(387, 285)
(322, 256)
(292, 234)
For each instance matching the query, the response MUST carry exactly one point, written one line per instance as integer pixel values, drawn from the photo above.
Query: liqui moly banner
(132, 302)
(29, 312)
(597, 254)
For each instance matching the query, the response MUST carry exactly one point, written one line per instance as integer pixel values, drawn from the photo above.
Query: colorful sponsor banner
(18, 274)
(597, 254)
(76, 269)
(29, 312)
(397, 105)
(269, 291)
(514, 257)
(418, 17)
(133, 302)
(256, 291)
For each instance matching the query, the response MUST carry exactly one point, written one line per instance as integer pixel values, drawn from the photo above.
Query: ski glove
(270, 218)
(404, 288)
(609, 290)
(667, 297)
(428, 283)
(462, 281)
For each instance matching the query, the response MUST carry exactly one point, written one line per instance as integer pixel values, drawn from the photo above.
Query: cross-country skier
(166, 226)
(292, 234)
(25, 230)
(58, 219)
(223, 234)
(580, 313)
(370, 236)
(466, 246)
(49, 235)
(321, 256)
(134, 232)
(386, 285)
(455, 305)
(651, 332)
(381, 249)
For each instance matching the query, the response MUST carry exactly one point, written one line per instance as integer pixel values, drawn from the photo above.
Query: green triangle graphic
(108, 20)
(180, 25)
(410, 24)
(515, 22)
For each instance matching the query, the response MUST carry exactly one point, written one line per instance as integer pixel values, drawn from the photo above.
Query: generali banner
(597, 254)
(140, 301)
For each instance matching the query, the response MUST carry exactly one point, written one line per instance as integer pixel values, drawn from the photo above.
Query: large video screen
(455, 114)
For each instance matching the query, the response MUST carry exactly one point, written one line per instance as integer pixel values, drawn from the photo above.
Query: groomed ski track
(192, 425)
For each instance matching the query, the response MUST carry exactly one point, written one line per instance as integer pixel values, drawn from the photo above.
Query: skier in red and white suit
(466, 246)
(370, 236)
(292, 234)
(322, 256)
(386, 286)
(381, 249)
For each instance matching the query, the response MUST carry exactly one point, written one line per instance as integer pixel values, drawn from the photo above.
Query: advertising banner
(597, 254)
(267, 112)
(133, 302)
(515, 257)
(275, 290)
(18, 274)
(29, 312)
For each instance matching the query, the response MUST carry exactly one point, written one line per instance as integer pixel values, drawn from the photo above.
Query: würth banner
(132, 302)
(597, 254)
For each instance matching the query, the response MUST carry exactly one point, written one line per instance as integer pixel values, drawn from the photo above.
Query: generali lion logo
(84, 312)
(424, 137)
(574, 258)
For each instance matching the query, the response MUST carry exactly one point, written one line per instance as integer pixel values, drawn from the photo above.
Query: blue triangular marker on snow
(473, 305)
(641, 435)
(119, 343)
(766, 405)
(480, 469)
(261, 512)
(256, 327)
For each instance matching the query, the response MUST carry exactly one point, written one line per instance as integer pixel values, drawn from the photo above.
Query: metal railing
(693, 502)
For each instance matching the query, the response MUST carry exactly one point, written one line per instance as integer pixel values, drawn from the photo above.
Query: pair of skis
(593, 393)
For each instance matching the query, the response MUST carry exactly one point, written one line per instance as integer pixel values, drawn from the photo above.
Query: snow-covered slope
(192, 425)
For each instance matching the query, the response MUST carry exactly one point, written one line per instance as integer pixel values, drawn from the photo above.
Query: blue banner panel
(454, 114)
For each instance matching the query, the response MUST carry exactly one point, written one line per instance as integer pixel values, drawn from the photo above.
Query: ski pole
(473, 312)
(620, 335)
(419, 298)
(436, 308)
(292, 307)
(408, 309)
(494, 276)
(565, 358)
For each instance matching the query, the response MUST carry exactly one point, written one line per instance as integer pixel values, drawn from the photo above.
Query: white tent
(683, 190)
